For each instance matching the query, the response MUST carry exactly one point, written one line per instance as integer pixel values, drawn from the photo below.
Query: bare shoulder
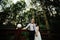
(35, 23)
(37, 27)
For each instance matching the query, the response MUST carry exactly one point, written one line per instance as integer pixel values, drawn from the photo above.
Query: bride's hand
(36, 35)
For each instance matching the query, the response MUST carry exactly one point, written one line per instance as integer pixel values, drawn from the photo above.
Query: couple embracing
(34, 33)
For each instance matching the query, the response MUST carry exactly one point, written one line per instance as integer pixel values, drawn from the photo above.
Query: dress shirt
(31, 26)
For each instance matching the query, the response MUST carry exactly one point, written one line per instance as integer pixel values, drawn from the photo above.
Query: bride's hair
(38, 26)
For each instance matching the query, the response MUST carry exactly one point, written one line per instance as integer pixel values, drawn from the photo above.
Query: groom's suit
(31, 30)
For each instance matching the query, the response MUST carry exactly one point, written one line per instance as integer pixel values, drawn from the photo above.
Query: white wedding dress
(38, 37)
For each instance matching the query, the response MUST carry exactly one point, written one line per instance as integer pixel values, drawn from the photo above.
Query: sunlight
(15, 1)
(1, 8)
(28, 2)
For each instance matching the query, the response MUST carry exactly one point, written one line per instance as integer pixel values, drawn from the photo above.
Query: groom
(31, 27)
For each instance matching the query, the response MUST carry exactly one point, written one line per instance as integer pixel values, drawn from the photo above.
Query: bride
(37, 34)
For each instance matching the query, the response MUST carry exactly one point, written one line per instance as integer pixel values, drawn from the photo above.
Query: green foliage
(18, 6)
(18, 13)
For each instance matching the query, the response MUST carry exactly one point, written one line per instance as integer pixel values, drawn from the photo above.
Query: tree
(21, 12)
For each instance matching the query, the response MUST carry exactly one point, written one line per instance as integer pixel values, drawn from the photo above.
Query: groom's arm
(26, 27)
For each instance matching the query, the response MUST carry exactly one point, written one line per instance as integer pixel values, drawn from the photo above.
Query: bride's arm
(36, 33)
(36, 30)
